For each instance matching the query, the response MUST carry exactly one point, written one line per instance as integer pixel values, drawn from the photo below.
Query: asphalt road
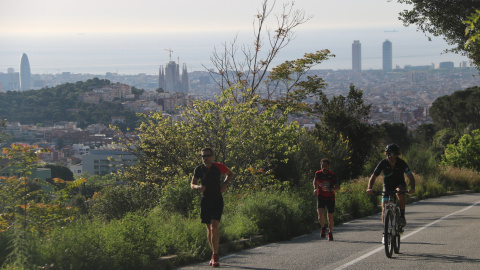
(441, 233)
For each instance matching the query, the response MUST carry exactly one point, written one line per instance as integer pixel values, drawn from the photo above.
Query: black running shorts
(211, 208)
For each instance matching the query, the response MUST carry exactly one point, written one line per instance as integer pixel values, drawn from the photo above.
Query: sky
(134, 36)
(21, 17)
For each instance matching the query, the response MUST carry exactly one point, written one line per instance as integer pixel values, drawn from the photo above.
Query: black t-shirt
(211, 178)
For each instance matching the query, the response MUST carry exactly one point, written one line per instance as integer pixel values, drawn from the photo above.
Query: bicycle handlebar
(389, 192)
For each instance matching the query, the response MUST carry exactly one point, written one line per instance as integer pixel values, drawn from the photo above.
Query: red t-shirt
(325, 180)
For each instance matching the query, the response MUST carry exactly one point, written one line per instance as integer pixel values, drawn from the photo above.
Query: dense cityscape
(398, 95)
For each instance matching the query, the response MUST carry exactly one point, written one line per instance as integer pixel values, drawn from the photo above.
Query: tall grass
(137, 239)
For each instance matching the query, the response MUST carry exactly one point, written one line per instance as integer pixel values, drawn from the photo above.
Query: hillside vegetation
(60, 226)
(61, 103)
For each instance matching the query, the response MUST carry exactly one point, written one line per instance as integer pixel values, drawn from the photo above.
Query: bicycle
(391, 224)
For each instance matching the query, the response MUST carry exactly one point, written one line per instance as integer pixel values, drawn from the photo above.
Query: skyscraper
(387, 55)
(356, 56)
(25, 74)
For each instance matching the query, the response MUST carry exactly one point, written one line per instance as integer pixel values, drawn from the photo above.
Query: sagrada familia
(169, 78)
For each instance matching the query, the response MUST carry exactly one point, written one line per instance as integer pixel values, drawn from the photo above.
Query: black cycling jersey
(392, 177)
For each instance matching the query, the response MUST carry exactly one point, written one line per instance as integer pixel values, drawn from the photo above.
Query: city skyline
(95, 38)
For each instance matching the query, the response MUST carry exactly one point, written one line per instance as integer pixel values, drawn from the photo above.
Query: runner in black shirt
(209, 173)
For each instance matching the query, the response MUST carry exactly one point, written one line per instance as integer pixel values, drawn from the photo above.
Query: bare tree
(246, 68)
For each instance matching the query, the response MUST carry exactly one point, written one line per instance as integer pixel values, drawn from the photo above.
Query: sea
(94, 53)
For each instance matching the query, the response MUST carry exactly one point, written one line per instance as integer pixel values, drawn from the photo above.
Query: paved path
(442, 233)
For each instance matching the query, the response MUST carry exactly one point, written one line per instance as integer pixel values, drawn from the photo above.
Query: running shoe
(215, 262)
(330, 237)
(324, 232)
(211, 261)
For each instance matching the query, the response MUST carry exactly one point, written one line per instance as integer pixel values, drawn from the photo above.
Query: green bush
(5, 238)
(116, 201)
(432, 188)
(119, 244)
(237, 226)
(352, 200)
(277, 215)
(421, 161)
(130, 242)
(176, 234)
(178, 197)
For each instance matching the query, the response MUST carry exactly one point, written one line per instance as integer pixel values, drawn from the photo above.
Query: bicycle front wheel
(388, 233)
(396, 246)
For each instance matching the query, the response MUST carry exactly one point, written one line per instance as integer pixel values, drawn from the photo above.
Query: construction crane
(170, 51)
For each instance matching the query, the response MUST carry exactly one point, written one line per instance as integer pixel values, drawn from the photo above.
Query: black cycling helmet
(392, 148)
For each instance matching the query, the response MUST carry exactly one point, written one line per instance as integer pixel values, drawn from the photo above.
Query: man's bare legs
(321, 216)
(214, 240)
(330, 222)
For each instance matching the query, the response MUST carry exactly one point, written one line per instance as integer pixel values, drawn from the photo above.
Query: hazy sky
(133, 36)
(113, 16)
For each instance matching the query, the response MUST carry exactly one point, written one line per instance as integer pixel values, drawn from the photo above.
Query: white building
(102, 162)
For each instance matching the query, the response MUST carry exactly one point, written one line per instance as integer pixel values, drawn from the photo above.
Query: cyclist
(393, 168)
(325, 184)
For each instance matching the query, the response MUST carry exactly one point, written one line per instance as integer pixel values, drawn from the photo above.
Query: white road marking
(404, 237)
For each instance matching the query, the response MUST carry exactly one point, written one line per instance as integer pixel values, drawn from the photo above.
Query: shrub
(433, 188)
(114, 202)
(178, 197)
(128, 243)
(459, 178)
(236, 227)
(176, 234)
(278, 215)
(421, 161)
(353, 200)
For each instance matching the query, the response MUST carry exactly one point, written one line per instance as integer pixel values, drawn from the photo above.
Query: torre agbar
(25, 74)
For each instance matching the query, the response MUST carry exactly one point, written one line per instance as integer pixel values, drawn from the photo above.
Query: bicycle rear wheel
(396, 246)
(388, 233)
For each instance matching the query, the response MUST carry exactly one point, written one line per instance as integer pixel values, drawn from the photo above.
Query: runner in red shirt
(325, 184)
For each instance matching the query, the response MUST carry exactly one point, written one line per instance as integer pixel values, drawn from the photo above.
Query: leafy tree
(472, 29)
(246, 70)
(3, 123)
(444, 137)
(464, 154)
(61, 172)
(424, 134)
(397, 133)
(312, 148)
(290, 87)
(445, 18)
(347, 118)
(137, 91)
(246, 138)
(457, 111)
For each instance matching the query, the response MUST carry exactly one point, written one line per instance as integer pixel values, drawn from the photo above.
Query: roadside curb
(171, 261)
